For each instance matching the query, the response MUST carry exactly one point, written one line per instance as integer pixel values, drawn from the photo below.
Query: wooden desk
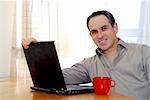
(19, 89)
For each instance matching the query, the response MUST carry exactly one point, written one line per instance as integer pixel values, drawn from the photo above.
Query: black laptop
(45, 70)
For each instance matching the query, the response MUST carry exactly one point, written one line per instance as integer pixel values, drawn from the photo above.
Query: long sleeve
(146, 60)
(76, 74)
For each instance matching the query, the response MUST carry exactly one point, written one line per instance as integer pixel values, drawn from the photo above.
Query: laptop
(45, 70)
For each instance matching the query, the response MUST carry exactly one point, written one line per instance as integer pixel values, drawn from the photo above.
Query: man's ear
(116, 27)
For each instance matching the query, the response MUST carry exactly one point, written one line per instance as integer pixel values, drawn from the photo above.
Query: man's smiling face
(102, 33)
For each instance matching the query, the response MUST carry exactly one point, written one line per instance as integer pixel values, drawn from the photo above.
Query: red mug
(102, 85)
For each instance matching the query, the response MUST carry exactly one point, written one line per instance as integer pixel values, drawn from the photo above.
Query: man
(127, 64)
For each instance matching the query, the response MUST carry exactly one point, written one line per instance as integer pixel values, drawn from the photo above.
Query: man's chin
(103, 48)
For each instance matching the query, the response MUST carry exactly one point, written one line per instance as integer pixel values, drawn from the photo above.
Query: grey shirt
(130, 70)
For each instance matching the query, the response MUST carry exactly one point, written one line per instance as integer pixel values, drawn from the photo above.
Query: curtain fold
(13, 47)
(26, 19)
(21, 30)
(13, 43)
(34, 22)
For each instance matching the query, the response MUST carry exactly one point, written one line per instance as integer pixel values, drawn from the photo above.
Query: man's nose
(100, 33)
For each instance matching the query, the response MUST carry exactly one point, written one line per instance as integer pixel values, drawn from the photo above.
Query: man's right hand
(26, 42)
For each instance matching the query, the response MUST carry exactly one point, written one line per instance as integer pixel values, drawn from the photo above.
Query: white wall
(6, 28)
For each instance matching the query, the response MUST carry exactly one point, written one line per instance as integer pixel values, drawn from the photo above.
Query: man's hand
(26, 42)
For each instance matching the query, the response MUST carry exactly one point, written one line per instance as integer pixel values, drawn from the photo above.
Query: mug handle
(113, 83)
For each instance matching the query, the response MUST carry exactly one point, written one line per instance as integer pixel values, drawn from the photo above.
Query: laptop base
(65, 92)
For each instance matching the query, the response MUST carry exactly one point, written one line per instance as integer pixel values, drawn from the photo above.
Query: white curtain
(144, 26)
(64, 21)
(7, 31)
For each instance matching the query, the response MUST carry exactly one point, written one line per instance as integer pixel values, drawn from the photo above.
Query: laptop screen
(44, 65)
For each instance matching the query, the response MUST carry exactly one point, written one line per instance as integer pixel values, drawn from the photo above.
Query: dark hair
(103, 12)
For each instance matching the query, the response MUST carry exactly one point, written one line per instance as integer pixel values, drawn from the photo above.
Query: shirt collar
(120, 43)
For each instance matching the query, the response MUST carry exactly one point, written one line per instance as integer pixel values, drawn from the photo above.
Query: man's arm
(146, 59)
(76, 74)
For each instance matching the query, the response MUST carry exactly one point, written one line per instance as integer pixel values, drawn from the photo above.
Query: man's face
(102, 33)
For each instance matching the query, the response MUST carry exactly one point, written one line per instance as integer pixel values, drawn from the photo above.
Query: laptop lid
(44, 65)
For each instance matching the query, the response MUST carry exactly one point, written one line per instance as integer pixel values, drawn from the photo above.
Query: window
(65, 22)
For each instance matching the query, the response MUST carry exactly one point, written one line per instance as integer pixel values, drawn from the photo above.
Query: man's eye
(94, 32)
(104, 28)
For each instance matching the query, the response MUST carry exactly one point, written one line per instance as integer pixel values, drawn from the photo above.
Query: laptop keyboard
(78, 87)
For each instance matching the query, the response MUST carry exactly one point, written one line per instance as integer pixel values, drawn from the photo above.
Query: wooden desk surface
(19, 89)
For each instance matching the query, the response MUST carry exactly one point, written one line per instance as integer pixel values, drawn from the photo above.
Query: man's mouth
(103, 41)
